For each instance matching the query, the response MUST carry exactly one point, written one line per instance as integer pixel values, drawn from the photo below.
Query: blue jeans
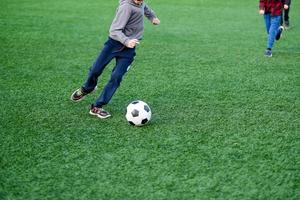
(124, 57)
(272, 26)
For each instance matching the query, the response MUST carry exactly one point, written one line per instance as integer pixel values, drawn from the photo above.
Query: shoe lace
(99, 110)
(79, 92)
(103, 111)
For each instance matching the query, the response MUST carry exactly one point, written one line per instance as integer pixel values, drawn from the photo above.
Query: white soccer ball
(138, 113)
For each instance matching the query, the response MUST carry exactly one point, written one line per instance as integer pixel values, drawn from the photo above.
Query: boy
(272, 11)
(125, 33)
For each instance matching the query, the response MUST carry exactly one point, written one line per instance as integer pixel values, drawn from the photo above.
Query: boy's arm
(262, 4)
(287, 2)
(150, 14)
(119, 23)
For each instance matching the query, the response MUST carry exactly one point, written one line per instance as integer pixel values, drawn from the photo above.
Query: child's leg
(267, 18)
(103, 59)
(275, 23)
(122, 64)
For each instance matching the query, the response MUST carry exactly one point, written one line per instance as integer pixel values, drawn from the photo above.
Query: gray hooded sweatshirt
(129, 21)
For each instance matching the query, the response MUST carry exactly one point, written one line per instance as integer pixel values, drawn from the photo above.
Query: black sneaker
(99, 112)
(79, 94)
(278, 36)
(286, 25)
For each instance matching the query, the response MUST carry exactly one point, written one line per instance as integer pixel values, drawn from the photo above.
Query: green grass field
(225, 119)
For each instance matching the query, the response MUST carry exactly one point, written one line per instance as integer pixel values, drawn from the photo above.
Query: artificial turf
(225, 121)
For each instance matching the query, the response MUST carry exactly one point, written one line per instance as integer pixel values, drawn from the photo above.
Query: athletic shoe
(99, 112)
(79, 94)
(278, 35)
(268, 53)
(286, 24)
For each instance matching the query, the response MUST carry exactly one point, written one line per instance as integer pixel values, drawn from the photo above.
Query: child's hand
(286, 6)
(261, 12)
(155, 21)
(132, 43)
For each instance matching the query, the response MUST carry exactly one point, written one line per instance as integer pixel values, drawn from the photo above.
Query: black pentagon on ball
(144, 121)
(146, 108)
(135, 113)
(131, 123)
(134, 102)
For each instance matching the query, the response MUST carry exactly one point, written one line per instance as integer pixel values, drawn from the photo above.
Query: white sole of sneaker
(102, 117)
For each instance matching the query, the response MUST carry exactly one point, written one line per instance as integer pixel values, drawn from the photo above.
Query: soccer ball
(138, 113)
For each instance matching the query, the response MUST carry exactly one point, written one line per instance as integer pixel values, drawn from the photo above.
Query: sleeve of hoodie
(119, 23)
(287, 2)
(150, 14)
(262, 4)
